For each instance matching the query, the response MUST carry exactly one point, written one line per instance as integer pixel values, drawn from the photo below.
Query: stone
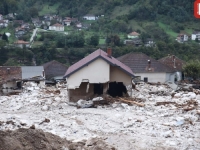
(45, 108)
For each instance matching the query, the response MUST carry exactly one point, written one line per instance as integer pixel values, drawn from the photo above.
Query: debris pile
(156, 117)
(37, 139)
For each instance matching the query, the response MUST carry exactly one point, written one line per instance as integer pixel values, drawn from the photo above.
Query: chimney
(109, 52)
(8, 70)
(149, 64)
(174, 60)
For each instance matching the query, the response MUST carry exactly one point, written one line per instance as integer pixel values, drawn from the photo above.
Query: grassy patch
(101, 41)
(120, 10)
(47, 9)
(167, 29)
(12, 37)
(37, 43)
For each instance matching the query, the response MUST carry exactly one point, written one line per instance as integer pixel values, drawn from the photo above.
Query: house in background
(33, 74)
(97, 74)
(149, 42)
(149, 69)
(133, 35)
(54, 69)
(10, 79)
(56, 27)
(181, 38)
(89, 17)
(196, 35)
(175, 63)
(21, 44)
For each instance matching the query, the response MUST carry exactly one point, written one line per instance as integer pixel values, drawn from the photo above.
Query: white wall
(193, 36)
(96, 72)
(61, 28)
(118, 75)
(157, 77)
(9, 85)
(89, 17)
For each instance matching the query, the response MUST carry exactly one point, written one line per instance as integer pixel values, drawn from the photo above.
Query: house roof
(56, 68)
(138, 62)
(58, 25)
(29, 72)
(173, 62)
(21, 42)
(134, 34)
(92, 57)
(10, 73)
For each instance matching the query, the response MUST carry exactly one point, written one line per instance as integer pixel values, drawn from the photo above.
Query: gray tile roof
(54, 68)
(93, 56)
(138, 62)
(29, 72)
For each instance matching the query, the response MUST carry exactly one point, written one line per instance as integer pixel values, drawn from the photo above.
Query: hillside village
(56, 23)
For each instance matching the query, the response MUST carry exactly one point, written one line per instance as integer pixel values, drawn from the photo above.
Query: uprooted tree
(192, 69)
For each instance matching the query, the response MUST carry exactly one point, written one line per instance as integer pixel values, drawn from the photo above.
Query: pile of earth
(34, 139)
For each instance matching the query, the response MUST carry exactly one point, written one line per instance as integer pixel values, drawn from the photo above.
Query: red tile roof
(21, 42)
(10, 73)
(93, 56)
(57, 25)
(173, 62)
(134, 34)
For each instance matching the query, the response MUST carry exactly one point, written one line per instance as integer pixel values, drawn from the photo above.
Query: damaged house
(97, 74)
(175, 63)
(10, 79)
(33, 74)
(148, 69)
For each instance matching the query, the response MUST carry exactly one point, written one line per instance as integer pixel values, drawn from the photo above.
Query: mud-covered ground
(169, 119)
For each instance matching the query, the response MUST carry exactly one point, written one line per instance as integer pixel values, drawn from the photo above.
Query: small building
(175, 63)
(89, 17)
(21, 44)
(135, 42)
(33, 74)
(196, 35)
(133, 35)
(10, 79)
(149, 42)
(57, 27)
(181, 38)
(149, 69)
(54, 69)
(97, 74)
(3, 24)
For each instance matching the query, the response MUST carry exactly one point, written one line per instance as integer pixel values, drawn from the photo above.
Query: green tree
(5, 37)
(94, 40)
(192, 69)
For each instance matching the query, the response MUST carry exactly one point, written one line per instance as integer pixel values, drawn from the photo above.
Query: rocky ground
(168, 120)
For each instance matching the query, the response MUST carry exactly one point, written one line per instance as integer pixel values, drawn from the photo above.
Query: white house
(97, 74)
(196, 35)
(133, 35)
(57, 27)
(149, 69)
(21, 44)
(182, 38)
(89, 17)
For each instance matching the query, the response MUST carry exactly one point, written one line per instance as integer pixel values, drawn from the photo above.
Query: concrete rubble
(167, 119)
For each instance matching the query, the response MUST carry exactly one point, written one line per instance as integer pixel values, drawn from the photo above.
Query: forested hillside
(160, 20)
